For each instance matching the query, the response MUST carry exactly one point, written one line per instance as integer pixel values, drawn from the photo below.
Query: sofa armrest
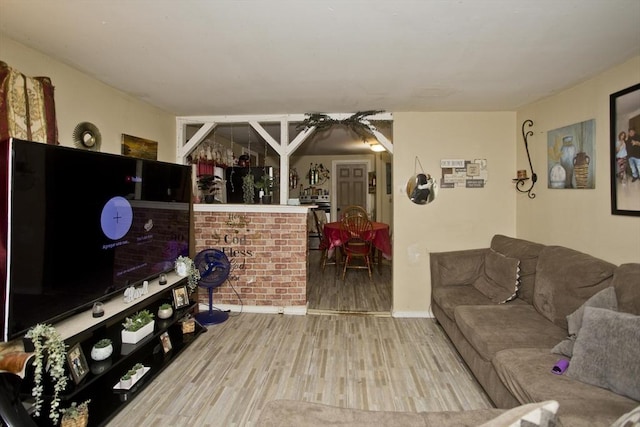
(456, 267)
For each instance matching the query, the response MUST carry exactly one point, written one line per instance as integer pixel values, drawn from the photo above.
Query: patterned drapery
(27, 107)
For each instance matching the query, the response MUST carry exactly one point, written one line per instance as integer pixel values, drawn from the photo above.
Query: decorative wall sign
(571, 156)
(132, 146)
(460, 173)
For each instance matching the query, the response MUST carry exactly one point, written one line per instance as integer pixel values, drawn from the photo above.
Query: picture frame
(180, 297)
(77, 363)
(624, 106)
(165, 340)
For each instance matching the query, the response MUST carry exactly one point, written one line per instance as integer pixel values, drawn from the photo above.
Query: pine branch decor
(357, 122)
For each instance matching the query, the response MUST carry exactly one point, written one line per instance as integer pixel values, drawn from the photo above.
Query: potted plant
(75, 415)
(186, 268)
(102, 349)
(137, 327)
(139, 368)
(265, 185)
(47, 342)
(165, 311)
(126, 380)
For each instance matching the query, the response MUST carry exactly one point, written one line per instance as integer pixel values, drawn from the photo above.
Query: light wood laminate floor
(327, 292)
(366, 362)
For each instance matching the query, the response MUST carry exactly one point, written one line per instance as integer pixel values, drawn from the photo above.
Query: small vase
(165, 314)
(557, 176)
(126, 383)
(101, 353)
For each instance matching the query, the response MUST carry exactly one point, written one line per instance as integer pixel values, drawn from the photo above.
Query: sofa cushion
(499, 278)
(489, 329)
(449, 297)
(625, 280)
(527, 252)
(606, 352)
(565, 279)
(606, 298)
(526, 372)
(542, 414)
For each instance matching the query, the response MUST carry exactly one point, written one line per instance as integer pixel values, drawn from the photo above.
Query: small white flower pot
(126, 383)
(129, 337)
(101, 353)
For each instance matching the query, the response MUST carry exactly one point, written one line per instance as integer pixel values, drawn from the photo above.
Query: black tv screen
(81, 226)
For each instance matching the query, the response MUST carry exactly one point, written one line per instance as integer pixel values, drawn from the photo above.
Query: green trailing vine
(46, 339)
(357, 122)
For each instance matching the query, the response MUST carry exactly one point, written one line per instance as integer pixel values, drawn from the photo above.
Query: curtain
(27, 107)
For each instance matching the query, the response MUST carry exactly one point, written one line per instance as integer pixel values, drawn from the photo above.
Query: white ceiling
(224, 57)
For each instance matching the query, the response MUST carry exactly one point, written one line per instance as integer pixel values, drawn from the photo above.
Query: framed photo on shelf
(77, 363)
(166, 342)
(625, 151)
(180, 297)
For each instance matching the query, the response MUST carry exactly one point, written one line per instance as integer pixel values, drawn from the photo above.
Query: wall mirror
(421, 188)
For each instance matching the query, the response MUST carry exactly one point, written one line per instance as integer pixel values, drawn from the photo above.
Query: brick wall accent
(267, 252)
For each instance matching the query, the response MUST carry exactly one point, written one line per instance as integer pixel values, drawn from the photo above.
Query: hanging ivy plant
(47, 340)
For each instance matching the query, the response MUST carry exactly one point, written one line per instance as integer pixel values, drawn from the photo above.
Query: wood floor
(356, 361)
(327, 292)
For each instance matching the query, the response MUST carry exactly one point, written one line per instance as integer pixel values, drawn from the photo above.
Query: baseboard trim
(262, 309)
(413, 314)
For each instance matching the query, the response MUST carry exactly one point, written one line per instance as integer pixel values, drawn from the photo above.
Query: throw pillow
(630, 419)
(499, 279)
(606, 352)
(606, 298)
(542, 414)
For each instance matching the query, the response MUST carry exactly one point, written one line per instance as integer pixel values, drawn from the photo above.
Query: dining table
(380, 238)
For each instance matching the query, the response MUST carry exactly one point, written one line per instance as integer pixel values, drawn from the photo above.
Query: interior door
(351, 186)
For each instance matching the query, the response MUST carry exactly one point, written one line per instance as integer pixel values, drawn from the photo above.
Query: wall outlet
(280, 310)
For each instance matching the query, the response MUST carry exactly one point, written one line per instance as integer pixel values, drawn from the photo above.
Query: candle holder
(521, 180)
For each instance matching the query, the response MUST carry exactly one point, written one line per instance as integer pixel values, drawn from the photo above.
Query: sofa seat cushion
(449, 297)
(490, 329)
(526, 372)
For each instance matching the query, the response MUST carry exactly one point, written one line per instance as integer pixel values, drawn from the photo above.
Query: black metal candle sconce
(521, 180)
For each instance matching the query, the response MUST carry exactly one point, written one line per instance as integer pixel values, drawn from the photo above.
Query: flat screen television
(79, 226)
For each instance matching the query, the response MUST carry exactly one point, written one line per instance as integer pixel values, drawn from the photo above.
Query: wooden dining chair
(320, 220)
(354, 210)
(356, 232)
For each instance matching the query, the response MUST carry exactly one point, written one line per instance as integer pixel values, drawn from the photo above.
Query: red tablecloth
(380, 240)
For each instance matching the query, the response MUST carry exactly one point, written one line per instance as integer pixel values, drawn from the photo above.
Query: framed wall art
(624, 110)
(571, 162)
(132, 146)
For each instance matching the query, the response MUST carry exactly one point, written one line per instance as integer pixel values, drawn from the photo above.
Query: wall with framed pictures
(596, 220)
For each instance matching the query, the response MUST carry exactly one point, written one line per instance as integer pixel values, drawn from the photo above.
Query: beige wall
(579, 219)
(80, 98)
(458, 218)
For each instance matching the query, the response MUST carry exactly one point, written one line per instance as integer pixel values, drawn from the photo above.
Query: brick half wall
(268, 255)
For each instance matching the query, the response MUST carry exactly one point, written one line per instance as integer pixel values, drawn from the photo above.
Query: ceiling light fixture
(378, 148)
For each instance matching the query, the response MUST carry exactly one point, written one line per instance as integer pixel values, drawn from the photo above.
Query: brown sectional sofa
(507, 345)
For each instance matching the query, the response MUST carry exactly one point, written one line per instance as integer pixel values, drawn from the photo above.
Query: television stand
(99, 384)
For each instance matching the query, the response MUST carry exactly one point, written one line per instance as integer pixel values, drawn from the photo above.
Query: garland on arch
(357, 122)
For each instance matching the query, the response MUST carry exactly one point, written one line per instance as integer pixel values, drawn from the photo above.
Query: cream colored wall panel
(459, 218)
(579, 219)
(80, 98)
